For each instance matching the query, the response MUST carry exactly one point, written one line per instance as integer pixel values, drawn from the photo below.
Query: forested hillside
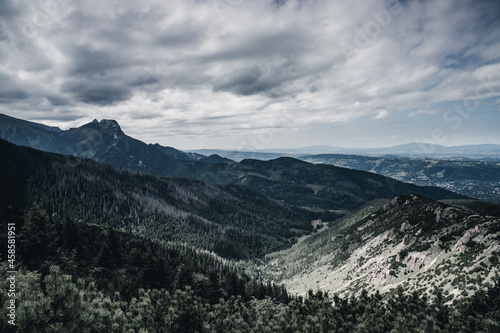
(316, 186)
(114, 268)
(76, 278)
(231, 220)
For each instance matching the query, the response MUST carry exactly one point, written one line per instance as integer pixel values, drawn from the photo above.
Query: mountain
(231, 220)
(314, 186)
(102, 141)
(476, 179)
(177, 154)
(26, 133)
(287, 180)
(410, 241)
(242, 155)
(102, 248)
(484, 152)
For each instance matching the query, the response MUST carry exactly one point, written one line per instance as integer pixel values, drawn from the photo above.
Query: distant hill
(315, 186)
(242, 155)
(483, 152)
(476, 179)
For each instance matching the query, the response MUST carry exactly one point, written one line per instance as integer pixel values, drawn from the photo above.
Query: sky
(235, 74)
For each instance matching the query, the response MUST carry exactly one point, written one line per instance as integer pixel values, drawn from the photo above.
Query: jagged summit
(102, 140)
(104, 123)
(105, 127)
(109, 122)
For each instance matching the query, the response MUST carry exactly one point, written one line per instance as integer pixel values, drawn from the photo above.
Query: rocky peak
(106, 123)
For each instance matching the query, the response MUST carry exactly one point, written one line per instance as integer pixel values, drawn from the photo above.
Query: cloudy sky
(238, 74)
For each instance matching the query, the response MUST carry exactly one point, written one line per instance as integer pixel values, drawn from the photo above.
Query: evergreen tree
(214, 291)
(37, 238)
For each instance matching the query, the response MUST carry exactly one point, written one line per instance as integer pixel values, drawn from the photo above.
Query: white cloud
(381, 114)
(428, 112)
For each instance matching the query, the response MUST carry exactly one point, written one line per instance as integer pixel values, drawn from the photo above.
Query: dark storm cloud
(103, 95)
(6, 10)
(244, 82)
(12, 95)
(183, 34)
(95, 91)
(87, 61)
(11, 90)
(274, 59)
(57, 100)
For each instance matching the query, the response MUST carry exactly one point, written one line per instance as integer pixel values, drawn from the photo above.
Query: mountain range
(383, 244)
(288, 180)
(412, 149)
(114, 234)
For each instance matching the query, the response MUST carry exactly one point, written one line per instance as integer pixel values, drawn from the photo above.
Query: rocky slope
(410, 240)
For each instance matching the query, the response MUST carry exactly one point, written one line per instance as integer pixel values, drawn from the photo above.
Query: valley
(231, 166)
(241, 236)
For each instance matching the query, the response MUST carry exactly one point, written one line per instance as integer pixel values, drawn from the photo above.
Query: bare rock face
(407, 239)
(380, 273)
(417, 243)
(416, 261)
(439, 214)
(359, 261)
(470, 234)
(366, 225)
